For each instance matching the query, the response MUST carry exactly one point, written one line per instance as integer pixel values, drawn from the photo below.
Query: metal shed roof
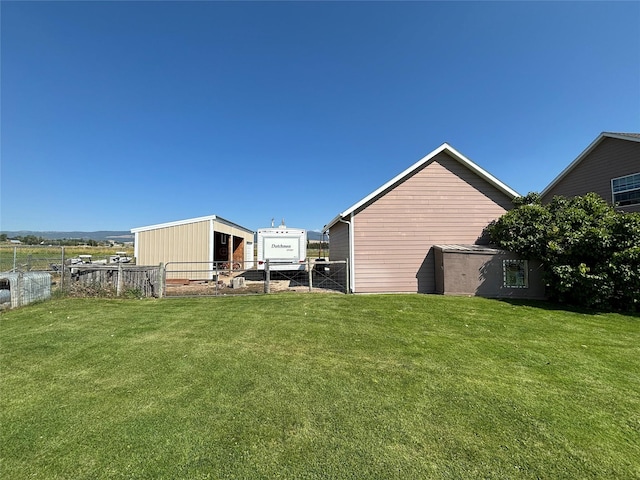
(190, 220)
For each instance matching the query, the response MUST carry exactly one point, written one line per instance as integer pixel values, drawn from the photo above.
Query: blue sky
(117, 115)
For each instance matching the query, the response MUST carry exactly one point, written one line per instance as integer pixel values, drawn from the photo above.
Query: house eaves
(446, 148)
(632, 137)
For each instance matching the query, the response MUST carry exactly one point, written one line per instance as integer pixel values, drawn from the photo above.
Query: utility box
(486, 272)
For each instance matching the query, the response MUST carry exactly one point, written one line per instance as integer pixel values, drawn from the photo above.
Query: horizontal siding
(180, 243)
(444, 202)
(339, 242)
(612, 158)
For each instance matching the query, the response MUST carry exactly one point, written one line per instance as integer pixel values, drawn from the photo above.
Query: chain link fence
(37, 258)
(104, 273)
(81, 271)
(222, 278)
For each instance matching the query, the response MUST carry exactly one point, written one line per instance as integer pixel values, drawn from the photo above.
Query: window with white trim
(626, 190)
(515, 273)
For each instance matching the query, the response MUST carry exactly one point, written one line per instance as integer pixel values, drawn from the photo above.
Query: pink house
(388, 236)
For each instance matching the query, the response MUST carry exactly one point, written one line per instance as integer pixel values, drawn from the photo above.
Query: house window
(515, 273)
(626, 190)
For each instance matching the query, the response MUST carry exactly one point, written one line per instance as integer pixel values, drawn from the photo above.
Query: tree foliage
(590, 251)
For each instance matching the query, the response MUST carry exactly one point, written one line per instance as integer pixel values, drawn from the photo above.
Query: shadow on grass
(553, 306)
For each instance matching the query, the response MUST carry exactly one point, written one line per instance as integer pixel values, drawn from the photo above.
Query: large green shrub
(590, 251)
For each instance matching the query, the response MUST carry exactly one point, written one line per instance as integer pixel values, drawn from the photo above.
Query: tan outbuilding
(194, 247)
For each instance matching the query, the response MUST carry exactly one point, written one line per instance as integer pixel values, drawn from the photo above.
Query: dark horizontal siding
(611, 158)
(339, 242)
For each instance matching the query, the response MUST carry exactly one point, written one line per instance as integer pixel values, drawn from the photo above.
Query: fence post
(267, 277)
(120, 280)
(216, 274)
(15, 257)
(310, 269)
(20, 285)
(62, 270)
(162, 273)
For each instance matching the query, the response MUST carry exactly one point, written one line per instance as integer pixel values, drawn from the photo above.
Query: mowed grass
(317, 386)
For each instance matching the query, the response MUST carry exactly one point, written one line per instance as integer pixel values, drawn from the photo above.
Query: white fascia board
(331, 223)
(584, 153)
(174, 224)
(208, 218)
(445, 147)
(503, 187)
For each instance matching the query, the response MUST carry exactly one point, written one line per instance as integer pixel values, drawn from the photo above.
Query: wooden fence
(144, 281)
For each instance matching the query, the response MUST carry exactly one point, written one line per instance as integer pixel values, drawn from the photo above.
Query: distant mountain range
(115, 235)
(100, 236)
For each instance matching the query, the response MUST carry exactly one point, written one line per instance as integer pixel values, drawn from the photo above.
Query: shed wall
(444, 202)
(611, 158)
(481, 274)
(178, 243)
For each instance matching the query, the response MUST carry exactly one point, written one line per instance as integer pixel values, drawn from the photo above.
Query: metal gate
(243, 278)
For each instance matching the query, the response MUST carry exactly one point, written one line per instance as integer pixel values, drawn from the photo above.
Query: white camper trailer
(285, 248)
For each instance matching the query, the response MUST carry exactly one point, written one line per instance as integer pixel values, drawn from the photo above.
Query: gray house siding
(339, 242)
(611, 158)
(442, 202)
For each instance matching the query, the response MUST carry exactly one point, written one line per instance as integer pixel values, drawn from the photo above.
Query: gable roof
(632, 137)
(188, 221)
(446, 148)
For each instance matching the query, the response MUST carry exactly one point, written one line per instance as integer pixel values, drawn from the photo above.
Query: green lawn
(317, 386)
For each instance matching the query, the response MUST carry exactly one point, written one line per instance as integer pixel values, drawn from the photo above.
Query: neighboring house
(388, 236)
(192, 246)
(610, 167)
